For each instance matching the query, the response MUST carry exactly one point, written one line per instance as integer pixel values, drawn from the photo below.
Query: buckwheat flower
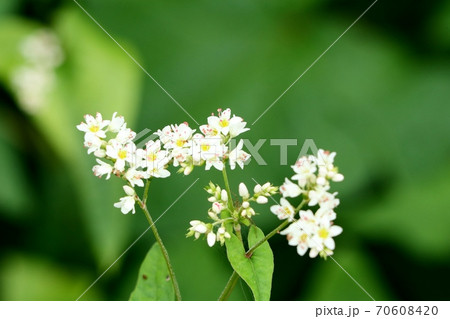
(225, 124)
(179, 136)
(220, 123)
(136, 177)
(102, 169)
(197, 228)
(305, 167)
(116, 124)
(211, 239)
(208, 130)
(283, 211)
(323, 237)
(296, 236)
(214, 161)
(93, 143)
(324, 199)
(154, 159)
(126, 203)
(217, 207)
(94, 125)
(121, 153)
(125, 135)
(325, 212)
(165, 135)
(238, 156)
(289, 189)
(206, 147)
(243, 191)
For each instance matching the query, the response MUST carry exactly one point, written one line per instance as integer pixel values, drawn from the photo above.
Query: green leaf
(153, 281)
(258, 269)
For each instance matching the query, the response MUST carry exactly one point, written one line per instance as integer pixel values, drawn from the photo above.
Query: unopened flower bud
(243, 191)
(261, 200)
(224, 195)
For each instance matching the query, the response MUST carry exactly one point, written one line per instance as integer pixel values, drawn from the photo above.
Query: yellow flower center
(303, 237)
(223, 123)
(287, 211)
(205, 147)
(94, 128)
(151, 157)
(323, 233)
(180, 143)
(122, 154)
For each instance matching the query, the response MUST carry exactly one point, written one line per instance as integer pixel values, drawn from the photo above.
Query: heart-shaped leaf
(153, 281)
(257, 269)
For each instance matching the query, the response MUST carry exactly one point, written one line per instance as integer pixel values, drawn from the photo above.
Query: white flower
(94, 125)
(116, 124)
(224, 124)
(125, 135)
(243, 191)
(211, 239)
(238, 156)
(93, 143)
(327, 170)
(323, 237)
(325, 212)
(283, 211)
(154, 159)
(289, 189)
(102, 169)
(178, 136)
(214, 161)
(126, 203)
(323, 198)
(205, 148)
(135, 177)
(121, 153)
(296, 236)
(304, 168)
(217, 207)
(197, 228)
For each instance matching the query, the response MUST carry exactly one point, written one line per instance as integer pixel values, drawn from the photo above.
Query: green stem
(229, 287)
(227, 186)
(144, 198)
(161, 245)
(249, 252)
(273, 232)
(230, 200)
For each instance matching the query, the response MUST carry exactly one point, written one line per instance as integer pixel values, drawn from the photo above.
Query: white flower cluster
(314, 231)
(112, 143)
(32, 81)
(210, 147)
(221, 211)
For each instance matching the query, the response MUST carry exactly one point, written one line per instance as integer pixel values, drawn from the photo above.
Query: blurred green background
(380, 98)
